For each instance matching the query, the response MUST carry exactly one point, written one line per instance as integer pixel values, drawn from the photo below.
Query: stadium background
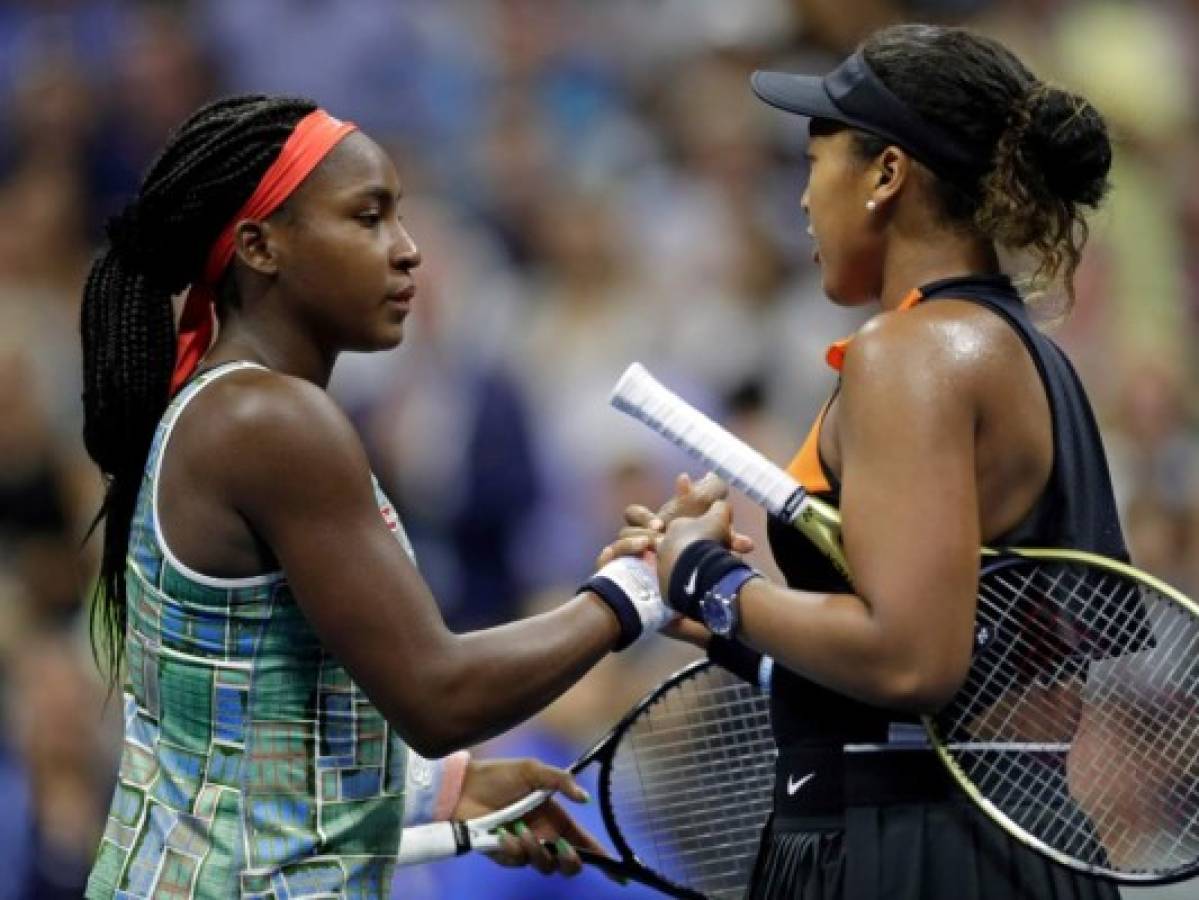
(590, 183)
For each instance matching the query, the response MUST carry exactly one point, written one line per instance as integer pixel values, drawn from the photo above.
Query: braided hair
(157, 246)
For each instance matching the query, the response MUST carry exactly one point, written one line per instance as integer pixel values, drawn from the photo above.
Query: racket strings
(994, 683)
(1092, 681)
(1106, 665)
(1021, 647)
(691, 785)
(1000, 674)
(1151, 719)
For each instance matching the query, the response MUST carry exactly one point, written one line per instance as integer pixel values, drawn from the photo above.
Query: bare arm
(302, 480)
(906, 426)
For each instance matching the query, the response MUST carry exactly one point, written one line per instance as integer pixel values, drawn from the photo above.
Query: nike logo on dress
(689, 587)
(793, 786)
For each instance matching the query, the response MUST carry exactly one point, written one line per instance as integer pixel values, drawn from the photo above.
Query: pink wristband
(453, 775)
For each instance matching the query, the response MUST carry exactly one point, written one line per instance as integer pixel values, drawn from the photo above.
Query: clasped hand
(696, 512)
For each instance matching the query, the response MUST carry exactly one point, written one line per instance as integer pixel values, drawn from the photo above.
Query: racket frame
(458, 838)
(944, 750)
(604, 752)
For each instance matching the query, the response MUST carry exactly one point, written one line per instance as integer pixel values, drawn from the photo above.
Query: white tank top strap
(197, 384)
(166, 426)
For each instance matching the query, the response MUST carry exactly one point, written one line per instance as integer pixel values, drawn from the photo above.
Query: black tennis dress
(862, 810)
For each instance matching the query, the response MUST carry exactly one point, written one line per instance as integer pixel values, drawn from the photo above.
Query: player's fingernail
(655, 523)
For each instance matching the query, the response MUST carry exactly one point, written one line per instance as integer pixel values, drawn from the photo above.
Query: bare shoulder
(256, 424)
(934, 341)
(261, 404)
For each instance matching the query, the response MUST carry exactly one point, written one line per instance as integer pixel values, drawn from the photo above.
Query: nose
(405, 254)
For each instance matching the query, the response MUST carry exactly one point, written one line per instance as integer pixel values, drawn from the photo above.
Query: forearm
(488, 681)
(838, 641)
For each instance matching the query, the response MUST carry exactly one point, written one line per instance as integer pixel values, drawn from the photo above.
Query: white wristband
(637, 578)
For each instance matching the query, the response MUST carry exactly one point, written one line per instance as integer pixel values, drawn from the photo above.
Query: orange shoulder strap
(806, 467)
(835, 355)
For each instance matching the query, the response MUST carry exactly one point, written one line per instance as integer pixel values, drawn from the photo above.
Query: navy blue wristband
(696, 572)
(731, 654)
(609, 591)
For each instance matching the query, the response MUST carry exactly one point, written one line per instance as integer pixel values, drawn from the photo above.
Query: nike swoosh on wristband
(793, 786)
(689, 587)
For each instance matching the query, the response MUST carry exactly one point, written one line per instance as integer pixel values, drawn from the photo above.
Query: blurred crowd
(590, 184)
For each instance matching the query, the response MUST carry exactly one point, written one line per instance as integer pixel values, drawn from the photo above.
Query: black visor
(853, 95)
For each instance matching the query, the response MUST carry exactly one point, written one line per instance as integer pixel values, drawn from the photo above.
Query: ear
(892, 170)
(254, 244)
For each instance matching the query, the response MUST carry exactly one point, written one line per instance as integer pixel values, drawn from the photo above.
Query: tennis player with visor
(955, 424)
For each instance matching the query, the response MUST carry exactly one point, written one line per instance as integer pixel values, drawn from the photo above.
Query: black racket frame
(604, 751)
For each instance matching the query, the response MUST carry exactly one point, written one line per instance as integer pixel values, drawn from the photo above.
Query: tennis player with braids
(956, 423)
(281, 652)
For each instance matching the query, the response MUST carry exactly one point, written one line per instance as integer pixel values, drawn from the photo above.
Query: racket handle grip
(641, 396)
(440, 840)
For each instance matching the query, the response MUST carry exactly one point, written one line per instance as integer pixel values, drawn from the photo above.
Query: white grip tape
(640, 395)
(427, 843)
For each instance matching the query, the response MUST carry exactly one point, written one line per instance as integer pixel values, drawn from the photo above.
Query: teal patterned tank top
(252, 765)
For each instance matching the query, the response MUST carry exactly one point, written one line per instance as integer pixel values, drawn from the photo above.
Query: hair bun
(1067, 140)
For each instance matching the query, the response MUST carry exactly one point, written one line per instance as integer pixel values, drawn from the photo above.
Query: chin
(387, 338)
(846, 295)
(393, 338)
(835, 293)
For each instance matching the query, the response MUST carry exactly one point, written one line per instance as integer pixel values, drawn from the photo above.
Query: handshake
(682, 547)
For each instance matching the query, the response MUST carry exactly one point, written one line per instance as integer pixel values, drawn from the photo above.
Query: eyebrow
(378, 192)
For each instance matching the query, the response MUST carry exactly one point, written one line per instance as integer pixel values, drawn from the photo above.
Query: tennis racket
(685, 785)
(1077, 727)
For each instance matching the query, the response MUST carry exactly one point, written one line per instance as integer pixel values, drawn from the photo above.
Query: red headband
(310, 142)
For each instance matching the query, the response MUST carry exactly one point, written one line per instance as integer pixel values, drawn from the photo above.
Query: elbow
(433, 733)
(433, 720)
(922, 689)
(431, 745)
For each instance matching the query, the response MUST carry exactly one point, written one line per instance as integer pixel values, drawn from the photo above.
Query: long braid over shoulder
(209, 167)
